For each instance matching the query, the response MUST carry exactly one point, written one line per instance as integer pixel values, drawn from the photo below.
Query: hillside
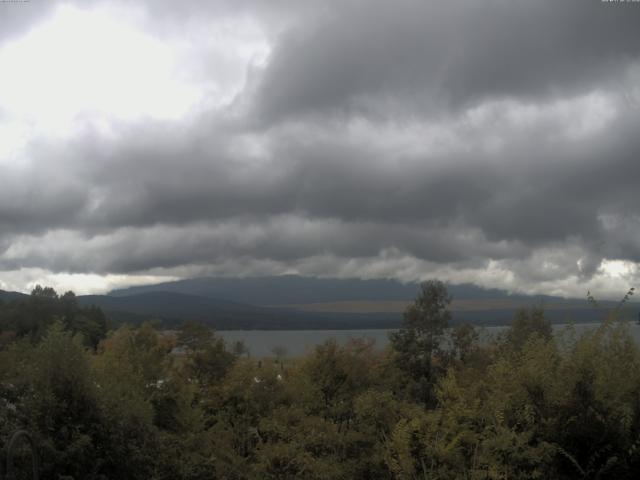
(303, 303)
(171, 308)
(294, 289)
(296, 302)
(9, 296)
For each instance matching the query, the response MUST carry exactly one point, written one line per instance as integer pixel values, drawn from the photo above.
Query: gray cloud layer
(458, 135)
(366, 56)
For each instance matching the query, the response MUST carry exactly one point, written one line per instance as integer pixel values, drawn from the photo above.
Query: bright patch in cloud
(87, 63)
(24, 280)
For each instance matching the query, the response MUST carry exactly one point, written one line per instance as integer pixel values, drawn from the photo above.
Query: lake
(298, 342)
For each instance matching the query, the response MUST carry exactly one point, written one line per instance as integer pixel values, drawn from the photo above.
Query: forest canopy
(439, 402)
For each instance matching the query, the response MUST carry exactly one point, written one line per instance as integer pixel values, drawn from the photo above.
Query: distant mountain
(171, 308)
(297, 302)
(302, 303)
(167, 304)
(9, 296)
(293, 289)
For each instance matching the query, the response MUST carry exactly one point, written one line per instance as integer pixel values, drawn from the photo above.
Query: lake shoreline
(299, 342)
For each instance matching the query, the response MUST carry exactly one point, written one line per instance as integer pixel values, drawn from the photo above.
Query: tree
(279, 352)
(464, 339)
(195, 336)
(526, 323)
(207, 358)
(239, 349)
(61, 403)
(416, 343)
(44, 292)
(32, 316)
(146, 352)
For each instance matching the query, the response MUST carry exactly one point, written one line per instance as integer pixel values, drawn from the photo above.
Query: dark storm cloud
(452, 135)
(337, 197)
(527, 191)
(371, 56)
(37, 200)
(283, 239)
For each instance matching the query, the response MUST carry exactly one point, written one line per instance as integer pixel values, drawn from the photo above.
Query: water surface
(298, 342)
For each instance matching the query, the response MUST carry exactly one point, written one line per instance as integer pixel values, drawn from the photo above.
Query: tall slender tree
(420, 337)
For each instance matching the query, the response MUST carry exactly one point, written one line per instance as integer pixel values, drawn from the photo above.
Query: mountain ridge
(294, 302)
(296, 289)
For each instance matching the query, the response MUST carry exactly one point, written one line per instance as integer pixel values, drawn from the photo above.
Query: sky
(487, 141)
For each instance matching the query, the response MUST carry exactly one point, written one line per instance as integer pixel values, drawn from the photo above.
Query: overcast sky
(486, 141)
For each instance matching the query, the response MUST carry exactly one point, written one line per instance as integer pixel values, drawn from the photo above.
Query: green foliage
(420, 338)
(207, 358)
(150, 405)
(527, 322)
(32, 316)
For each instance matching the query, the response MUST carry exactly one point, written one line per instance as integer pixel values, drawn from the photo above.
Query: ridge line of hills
(305, 303)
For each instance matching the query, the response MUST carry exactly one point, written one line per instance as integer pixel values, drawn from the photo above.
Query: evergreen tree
(420, 337)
